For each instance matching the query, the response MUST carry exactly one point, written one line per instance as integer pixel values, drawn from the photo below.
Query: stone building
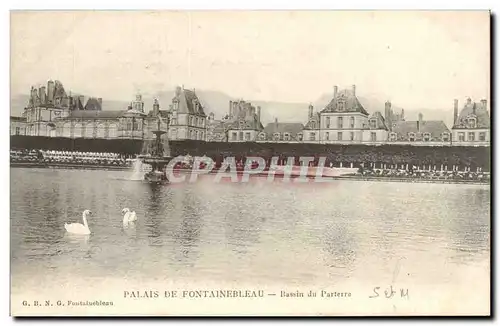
(243, 122)
(17, 126)
(472, 125)
(187, 116)
(281, 132)
(311, 132)
(344, 118)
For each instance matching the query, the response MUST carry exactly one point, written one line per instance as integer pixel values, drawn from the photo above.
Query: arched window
(262, 136)
(411, 136)
(66, 130)
(77, 130)
(393, 136)
(276, 136)
(101, 131)
(300, 136)
(286, 136)
(427, 136)
(112, 130)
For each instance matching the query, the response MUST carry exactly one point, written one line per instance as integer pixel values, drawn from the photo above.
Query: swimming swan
(128, 216)
(78, 228)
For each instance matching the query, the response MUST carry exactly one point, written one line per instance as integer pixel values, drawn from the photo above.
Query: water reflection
(256, 230)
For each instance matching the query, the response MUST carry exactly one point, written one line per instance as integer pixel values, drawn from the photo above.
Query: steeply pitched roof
(471, 110)
(249, 123)
(93, 105)
(380, 122)
(83, 114)
(435, 128)
(187, 100)
(352, 103)
(313, 123)
(291, 127)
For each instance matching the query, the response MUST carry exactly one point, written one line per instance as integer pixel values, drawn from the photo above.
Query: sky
(414, 59)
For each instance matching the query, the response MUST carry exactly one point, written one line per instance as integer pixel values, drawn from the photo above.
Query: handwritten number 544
(389, 293)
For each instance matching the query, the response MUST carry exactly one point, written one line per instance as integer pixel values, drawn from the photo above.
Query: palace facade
(344, 120)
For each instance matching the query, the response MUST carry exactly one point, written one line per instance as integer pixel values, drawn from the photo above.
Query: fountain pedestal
(157, 159)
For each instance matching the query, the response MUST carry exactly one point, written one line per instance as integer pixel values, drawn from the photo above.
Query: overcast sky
(415, 59)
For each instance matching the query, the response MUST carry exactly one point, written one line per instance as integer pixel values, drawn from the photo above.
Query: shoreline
(346, 177)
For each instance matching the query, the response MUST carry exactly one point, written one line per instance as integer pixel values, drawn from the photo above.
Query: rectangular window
(352, 135)
(373, 136)
(373, 123)
(327, 122)
(482, 136)
(327, 136)
(234, 135)
(247, 136)
(18, 130)
(241, 135)
(446, 137)
(352, 122)
(472, 136)
(312, 136)
(340, 122)
(461, 136)
(286, 136)
(339, 136)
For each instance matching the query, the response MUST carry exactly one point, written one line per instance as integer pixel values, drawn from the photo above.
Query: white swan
(78, 228)
(128, 216)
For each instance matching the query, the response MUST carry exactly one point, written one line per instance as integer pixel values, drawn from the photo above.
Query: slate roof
(249, 123)
(93, 105)
(435, 128)
(314, 122)
(83, 114)
(19, 119)
(59, 89)
(186, 99)
(283, 127)
(381, 124)
(352, 103)
(481, 114)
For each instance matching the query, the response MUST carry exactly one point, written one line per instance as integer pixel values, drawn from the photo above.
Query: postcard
(250, 163)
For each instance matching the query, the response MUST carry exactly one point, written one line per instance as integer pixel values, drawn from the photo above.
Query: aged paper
(250, 163)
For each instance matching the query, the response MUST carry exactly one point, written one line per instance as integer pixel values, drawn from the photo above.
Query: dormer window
(471, 122)
(427, 136)
(175, 105)
(373, 123)
(286, 136)
(242, 124)
(445, 136)
(313, 125)
(276, 136)
(262, 136)
(393, 136)
(300, 136)
(411, 136)
(341, 105)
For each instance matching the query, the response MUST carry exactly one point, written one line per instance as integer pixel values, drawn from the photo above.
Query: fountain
(156, 157)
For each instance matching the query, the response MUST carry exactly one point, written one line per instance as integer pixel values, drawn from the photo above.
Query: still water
(254, 233)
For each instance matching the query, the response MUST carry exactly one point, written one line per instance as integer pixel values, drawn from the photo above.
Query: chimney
(484, 104)
(420, 120)
(354, 90)
(276, 123)
(474, 108)
(156, 107)
(311, 108)
(43, 95)
(469, 101)
(455, 111)
(99, 100)
(230, 108)
(258, 113)
(50, 92)
(402, 114)
(335, 91)
(388, 115)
